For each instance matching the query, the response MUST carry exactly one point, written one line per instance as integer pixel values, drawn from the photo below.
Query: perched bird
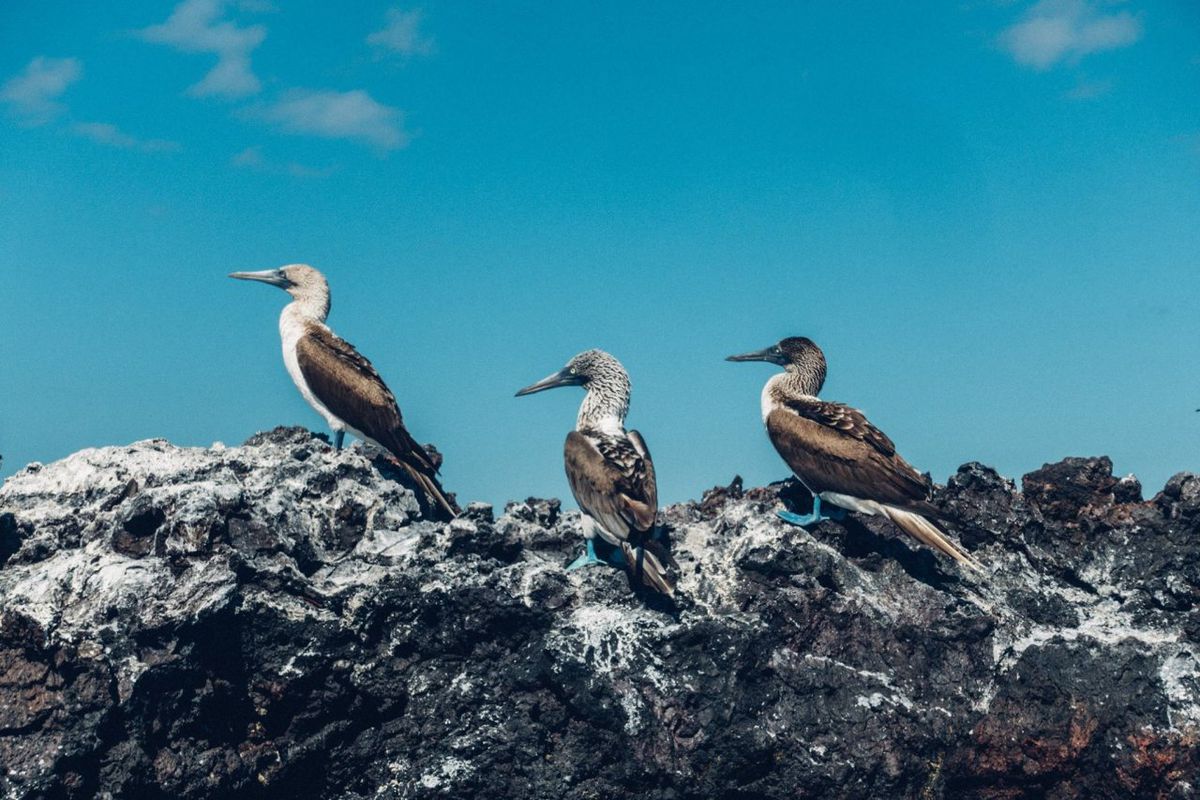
(341, 385)
(837, 454)
(611, 474)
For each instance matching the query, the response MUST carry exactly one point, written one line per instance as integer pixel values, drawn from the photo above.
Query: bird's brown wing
(348, 385)
(612, 478)
(612, 481)
(645, 478)
(834, 448)
(844, 418)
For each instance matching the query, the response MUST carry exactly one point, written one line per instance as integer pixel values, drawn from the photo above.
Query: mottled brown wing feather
(349, 386)
(845, 457)
(643, 482)
(612, 481)
(844, 418)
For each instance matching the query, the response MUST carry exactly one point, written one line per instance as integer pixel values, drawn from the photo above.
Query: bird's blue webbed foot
(813, 518)
(613, 558)
(339, 437)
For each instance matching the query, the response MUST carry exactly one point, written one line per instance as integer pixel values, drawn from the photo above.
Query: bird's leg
(338, 438)
(816, 516)
(587, 559)
(612, 556)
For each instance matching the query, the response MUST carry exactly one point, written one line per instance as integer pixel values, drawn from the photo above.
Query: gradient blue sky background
(987, 213)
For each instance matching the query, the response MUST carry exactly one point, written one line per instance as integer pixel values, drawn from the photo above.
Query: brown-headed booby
(610, 472)
(837, 454)
(341, 385)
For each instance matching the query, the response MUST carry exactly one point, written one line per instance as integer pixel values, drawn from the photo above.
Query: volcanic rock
(276, 620)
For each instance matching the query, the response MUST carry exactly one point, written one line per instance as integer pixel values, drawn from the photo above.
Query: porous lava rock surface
(275, 620)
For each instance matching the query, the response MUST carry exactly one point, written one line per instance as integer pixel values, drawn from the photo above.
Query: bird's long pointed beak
(275, 277)
(561, 378)
(770, 354)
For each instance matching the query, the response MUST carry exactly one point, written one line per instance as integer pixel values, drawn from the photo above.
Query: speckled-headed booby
(837, 454)
(341, 385)
(610, 472)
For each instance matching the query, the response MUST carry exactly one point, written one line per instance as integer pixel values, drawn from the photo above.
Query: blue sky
(987, 213)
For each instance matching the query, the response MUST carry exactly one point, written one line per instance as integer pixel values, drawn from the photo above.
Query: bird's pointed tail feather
(925, 531)
(435, 503)
(651, 565)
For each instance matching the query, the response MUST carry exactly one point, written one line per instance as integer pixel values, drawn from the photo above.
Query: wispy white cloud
(305, 171)
(33, 95)
(257, 6)
(1089, 90)
(108, 134)
(1052, 31)
(336, 115)
(196, 26)
(402, 34)
(252, 158)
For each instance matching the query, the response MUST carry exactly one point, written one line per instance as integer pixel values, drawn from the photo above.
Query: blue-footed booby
(610, 472)
(837, 454)
(341, 385)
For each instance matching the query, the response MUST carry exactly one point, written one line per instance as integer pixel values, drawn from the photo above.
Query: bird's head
(295, 279)
(591, 367)
(798, 355)
(302, 282)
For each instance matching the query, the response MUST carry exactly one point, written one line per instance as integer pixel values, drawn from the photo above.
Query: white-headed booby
(610, 471)
(837, 454)
(341, 385)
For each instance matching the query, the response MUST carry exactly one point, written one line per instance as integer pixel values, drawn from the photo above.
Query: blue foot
(799, 519)
(614, 559)
(813, 518)
(338, 439)
(585, 560)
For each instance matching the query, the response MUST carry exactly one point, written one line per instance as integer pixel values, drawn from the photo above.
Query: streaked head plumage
(798, 355)
(585, 369)
(607, 385)
(306, 285)
(800, 349)
(295, 279)
(303, 278)
(595, 365)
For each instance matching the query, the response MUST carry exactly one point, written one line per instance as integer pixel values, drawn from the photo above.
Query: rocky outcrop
(274, 620)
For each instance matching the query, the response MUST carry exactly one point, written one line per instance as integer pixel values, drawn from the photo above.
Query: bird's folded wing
(844, 418)
(646, 478)
(612, 481)
(348, 385)
(833, 448)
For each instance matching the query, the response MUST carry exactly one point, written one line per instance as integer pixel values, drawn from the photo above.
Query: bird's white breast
(292, 327)
(769, 403)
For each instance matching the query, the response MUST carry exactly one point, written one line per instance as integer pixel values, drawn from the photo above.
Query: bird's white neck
(309, 303)
(781, 386)
(604, 408)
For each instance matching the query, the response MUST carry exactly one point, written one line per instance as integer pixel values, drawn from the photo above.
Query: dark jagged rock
(274, 620)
